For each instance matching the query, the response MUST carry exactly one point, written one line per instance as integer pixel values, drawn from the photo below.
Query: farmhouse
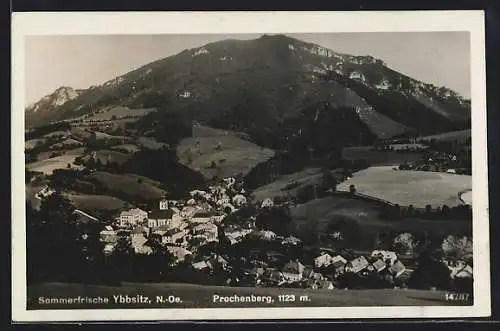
(267, 203)
(383, 85)
(132, 217)
(202, 265)
(237, 235)
(397, 269)
(460, 270)
(323, 260)
(45, 192)
(338, 264)
(357, 265)
(108, 235)
(378, 265)
(356, 75)
(291, 241)
(293, 270)
(385, 255)
(167, 235)
(201, 217)
(239, 200)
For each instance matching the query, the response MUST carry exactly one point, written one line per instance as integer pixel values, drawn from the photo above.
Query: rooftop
(161, 214)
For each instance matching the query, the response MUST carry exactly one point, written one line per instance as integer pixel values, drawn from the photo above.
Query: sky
(440, 58)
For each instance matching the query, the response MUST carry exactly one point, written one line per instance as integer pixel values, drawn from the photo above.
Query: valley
(244, 163)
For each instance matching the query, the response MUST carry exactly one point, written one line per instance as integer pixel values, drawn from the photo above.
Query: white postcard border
(85, 23)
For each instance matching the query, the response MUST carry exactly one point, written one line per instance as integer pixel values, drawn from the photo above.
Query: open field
(90, 202)
(115, 113)
(379, 158)
(201, 296)
(221, 153)
(317, 214)
(448, 136)
(47, 166)
(131, 184)
(406, 187)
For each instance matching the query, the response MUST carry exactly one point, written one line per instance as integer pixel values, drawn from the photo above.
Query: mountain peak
(57, 98)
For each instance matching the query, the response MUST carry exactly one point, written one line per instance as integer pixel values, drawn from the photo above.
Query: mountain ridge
(279, 76)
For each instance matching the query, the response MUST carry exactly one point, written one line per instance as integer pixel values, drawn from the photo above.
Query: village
(255, 256)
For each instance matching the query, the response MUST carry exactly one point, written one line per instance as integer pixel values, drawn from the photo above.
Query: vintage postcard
(249, 166)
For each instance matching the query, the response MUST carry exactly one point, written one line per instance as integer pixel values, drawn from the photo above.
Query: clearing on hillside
(408, 187)
(462, 135)
(114, 113)
(90, 202)
(47, 166)
(221, 153)
(130, 184)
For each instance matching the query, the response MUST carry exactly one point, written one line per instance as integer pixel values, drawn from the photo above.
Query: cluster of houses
(182, 227)
(179, 226)
(325, 270)
(436, 162)
(173, 227)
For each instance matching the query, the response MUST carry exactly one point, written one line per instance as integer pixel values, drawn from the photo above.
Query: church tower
(163, 204)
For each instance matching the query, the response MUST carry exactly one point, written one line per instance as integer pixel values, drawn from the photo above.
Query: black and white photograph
(249, 161)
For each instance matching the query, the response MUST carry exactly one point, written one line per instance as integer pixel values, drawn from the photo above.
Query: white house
(169, 236)
(383, 85)
(139, 244)
(205, 217)
(239, 200)
(357, 265)
(108, 235)
(163, 204)
(45, 192)
(291, 240)
(323, 260)
(185, 94)
(356, 75)
(229, 182)
(267, 203)
(132, 217)
(201, 217)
